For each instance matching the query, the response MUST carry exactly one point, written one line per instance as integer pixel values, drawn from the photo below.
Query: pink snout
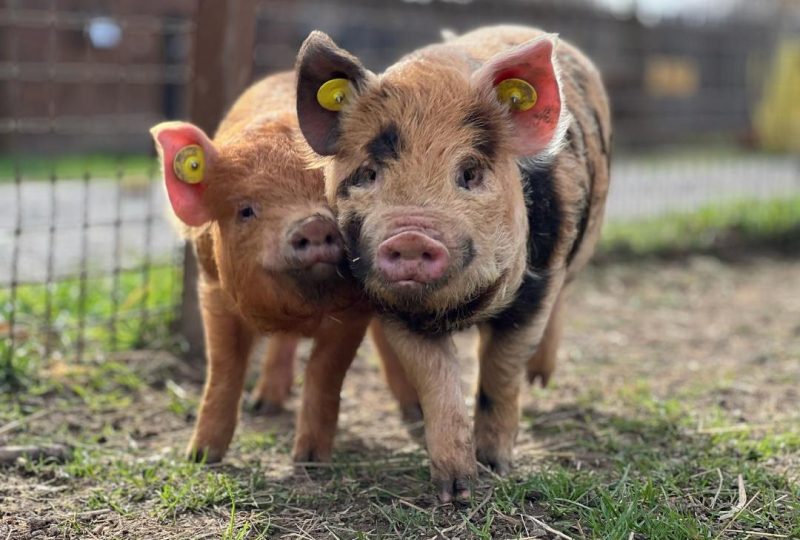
(412, 256)
(315, 240)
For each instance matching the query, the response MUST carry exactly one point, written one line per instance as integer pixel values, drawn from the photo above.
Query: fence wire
(89, 262)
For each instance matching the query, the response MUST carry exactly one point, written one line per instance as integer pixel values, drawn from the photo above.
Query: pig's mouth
(317, 271)
(428, 283)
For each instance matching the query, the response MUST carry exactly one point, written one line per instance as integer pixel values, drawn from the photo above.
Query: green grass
(76, 166)
(639, 465)
(131, 312)
(742, 222)
(659, 480)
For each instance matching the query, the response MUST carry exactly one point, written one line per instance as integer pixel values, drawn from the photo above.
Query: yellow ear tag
(519, 94)
(333, 93)
(190, 164)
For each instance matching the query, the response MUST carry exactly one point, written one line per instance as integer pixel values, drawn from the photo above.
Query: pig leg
(277, 371)
(432, 368)
(396, 378)
(542, 364)
(228, 343)
(335, 346)
(504, 354)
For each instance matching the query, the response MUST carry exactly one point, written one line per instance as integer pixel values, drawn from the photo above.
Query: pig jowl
(469, 180)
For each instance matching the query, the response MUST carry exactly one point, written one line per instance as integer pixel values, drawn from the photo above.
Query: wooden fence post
(222, 64)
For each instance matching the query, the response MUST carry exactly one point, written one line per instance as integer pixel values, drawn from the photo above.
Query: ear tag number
(518, 94)
(190, 164)
(332, 95)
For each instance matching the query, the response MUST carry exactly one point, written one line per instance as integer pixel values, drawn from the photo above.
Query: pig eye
(470, 177)
(246, 213)
(363, 176)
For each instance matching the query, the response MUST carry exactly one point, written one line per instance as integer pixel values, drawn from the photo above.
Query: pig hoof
(543, 376)
(204, 455)
(266, 408)
(454, 490)
(310, 455)
(499, 465)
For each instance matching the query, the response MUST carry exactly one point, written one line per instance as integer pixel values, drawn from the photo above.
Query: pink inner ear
(535, 128)
(186, 199)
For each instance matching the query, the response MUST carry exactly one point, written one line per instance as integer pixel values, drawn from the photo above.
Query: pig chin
(410, 298)
(319, 283)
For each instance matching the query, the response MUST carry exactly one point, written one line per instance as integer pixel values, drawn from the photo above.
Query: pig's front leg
(432, 368)
(228, 343)
(395, 375)
(504, 354)
(335, 346)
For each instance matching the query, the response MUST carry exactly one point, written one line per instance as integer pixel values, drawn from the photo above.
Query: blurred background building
(83, 76)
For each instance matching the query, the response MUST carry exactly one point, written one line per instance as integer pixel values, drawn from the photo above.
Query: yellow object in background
(777, 117)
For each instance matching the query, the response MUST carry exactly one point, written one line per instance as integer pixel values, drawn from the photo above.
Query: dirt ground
(674, 360)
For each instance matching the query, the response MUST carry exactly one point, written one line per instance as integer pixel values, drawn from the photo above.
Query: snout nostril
(328, 239)
(395, 255)
(426, 256)
(302, 243)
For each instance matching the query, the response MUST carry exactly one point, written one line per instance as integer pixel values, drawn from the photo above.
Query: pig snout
(412, 256)
(315, 240)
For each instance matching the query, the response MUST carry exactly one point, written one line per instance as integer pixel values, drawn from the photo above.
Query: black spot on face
(481, 120)
(362, 176)
(386, 145)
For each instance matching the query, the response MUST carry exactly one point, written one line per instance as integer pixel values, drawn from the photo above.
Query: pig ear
(525, 80)
(327, 79)
(186, 155)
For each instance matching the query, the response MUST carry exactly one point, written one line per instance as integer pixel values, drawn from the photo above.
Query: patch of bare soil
(723, 340)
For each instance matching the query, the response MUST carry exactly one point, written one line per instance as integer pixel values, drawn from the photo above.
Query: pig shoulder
(565, 196)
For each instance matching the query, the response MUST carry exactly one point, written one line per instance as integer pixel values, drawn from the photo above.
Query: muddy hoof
(204, 455)
(542, 376)
(310, 454)
(265, 407)
(454, 490)
(490, 458)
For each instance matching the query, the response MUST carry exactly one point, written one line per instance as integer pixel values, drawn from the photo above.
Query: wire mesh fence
(88, 259)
